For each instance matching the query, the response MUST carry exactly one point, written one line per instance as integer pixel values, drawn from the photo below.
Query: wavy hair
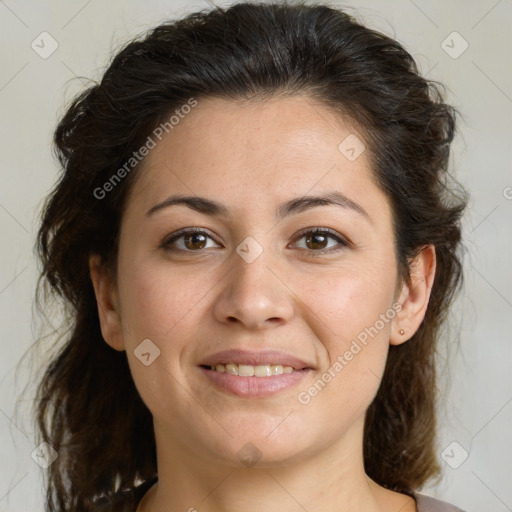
(87, 406)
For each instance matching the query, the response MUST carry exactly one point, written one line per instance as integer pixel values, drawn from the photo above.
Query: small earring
(402, 332)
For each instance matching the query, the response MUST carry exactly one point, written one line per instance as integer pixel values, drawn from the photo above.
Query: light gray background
(33, 91)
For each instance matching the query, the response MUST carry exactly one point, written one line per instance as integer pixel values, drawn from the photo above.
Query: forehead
(240, 152)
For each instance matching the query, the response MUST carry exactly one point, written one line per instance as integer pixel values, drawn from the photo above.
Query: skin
(251, 158)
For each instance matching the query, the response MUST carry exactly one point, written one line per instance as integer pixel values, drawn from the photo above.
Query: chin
(254, 449)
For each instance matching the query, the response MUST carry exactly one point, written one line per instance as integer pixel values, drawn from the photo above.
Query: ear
(414, 297)
(106, 298)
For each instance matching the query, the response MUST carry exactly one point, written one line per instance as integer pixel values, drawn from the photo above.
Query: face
(312, 280)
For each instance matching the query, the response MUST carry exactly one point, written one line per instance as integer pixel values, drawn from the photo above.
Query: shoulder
(125, 500)
(428, 504)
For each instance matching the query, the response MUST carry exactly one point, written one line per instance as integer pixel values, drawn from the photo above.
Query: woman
(257, 235)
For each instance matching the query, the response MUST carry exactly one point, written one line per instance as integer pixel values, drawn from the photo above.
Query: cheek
(156, 303)
(355, 345)
(159, 305)
(353, 314)
(349, 301)
(164, 306)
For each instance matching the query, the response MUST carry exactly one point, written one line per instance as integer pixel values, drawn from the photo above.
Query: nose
(254, 295)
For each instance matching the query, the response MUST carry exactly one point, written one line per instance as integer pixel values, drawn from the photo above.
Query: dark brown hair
(87, 406)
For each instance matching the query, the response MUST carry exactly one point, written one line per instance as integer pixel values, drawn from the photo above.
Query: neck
(323, 481)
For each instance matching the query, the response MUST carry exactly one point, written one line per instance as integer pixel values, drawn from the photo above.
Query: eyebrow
(294, 206)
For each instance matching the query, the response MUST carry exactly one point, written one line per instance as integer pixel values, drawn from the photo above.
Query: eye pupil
(314, 239)
(195, 236)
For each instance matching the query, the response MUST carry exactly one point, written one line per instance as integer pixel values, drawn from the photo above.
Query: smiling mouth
(247, 370)
(253, 381)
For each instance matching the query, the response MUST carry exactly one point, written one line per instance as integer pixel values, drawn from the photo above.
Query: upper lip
(255, 358)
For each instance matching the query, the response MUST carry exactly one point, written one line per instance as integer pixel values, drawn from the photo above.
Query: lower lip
(254, 387)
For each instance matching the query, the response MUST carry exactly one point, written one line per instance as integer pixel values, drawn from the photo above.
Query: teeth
(247, 370)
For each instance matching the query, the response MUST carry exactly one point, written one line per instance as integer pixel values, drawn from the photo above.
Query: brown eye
(194, 241)
(191, 240)
(317, 241)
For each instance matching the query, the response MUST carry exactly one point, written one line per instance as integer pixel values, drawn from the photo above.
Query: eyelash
(167, 243)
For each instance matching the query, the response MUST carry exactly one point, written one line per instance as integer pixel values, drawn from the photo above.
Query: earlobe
(106, 299)
(414, 297)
